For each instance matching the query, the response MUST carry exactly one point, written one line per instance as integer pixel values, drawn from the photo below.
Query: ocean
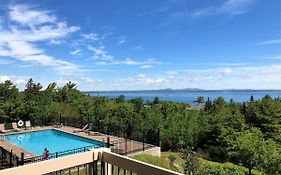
(187, 96)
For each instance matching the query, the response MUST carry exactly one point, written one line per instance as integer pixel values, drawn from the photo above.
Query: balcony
(96, 161)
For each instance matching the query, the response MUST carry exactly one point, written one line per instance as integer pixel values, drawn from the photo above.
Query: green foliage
(252, 151)
(199, 100)
(247, 134)
(191, 161)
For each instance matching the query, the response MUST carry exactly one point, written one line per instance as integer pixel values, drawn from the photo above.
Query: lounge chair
(15, 127)
(94, 133)
(2, 128)
(27, 124)
(89, 129)
(81, 130)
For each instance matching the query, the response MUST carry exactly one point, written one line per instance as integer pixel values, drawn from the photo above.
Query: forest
(246, 134)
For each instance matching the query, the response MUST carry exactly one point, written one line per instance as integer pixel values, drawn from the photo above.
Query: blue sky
(129, 45)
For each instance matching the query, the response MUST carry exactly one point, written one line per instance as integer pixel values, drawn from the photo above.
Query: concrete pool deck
(120, 145)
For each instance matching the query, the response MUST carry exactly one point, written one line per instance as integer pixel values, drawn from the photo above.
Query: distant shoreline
(187, 95)
(189, 90)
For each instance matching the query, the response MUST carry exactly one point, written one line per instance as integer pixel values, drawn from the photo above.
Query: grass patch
(205, 166)
(177, 164)
(157, 161)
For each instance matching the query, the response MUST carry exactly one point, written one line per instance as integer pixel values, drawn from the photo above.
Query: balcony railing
(96, 161)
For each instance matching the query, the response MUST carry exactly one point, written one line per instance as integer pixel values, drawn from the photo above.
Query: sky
(141, 45)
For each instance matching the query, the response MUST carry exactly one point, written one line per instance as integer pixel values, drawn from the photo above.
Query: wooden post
(94, 168)
(17, 161)
(126, 146)
(2, 156)
(158, 139)
(11, 158)
(142, 139)
(22, 158)
(98, 125)
(108, 142)
(60, 119)
(103, 168)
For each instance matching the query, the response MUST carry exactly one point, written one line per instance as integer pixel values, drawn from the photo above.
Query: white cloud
(137, 48)
(235, 7)
(243, 77)
(62, 81)
(89, 80)
(121, 40)
(231, 7)
(83, 83)
(128, 61)
(255, 77)
(143, 79)
(273, 57)
(26, 15)
(146, 66)
(5, 61)
(75, 52)
(56, 42)
(19, 81)
(4, 78)
(100, 53)
(90, 36)
(40, 26)
(277, 41)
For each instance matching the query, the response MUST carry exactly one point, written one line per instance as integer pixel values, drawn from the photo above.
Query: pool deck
(119, 143)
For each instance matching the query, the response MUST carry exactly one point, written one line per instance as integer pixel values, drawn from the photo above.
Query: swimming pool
(53, 140)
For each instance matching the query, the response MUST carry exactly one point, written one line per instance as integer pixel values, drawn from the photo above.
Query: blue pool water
(54, 140)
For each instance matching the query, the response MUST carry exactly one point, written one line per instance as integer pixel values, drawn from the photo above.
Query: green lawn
(177, 165)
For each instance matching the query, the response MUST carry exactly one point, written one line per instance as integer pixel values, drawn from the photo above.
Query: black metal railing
(97, 168)
(9, 159)
(59, 154)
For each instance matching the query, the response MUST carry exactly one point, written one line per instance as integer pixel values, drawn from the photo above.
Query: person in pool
(46, 154)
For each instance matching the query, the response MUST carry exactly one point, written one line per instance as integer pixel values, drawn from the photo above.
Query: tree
(120, 99)
(156, 100)
(251, 150)
(208, 105)
(32, 87)
(51, 87)
(8, 91)
(70, 85)
(199, 100)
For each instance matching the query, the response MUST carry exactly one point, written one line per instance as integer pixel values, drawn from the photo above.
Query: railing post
(22, 158)
(94, 168)
(2, 156)
(98, 125)
(60, 119)
(108, 142)
(142, 139)
(11, 158)
(17, 160)
(102, 168)
(126, 142)
(158, 139)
